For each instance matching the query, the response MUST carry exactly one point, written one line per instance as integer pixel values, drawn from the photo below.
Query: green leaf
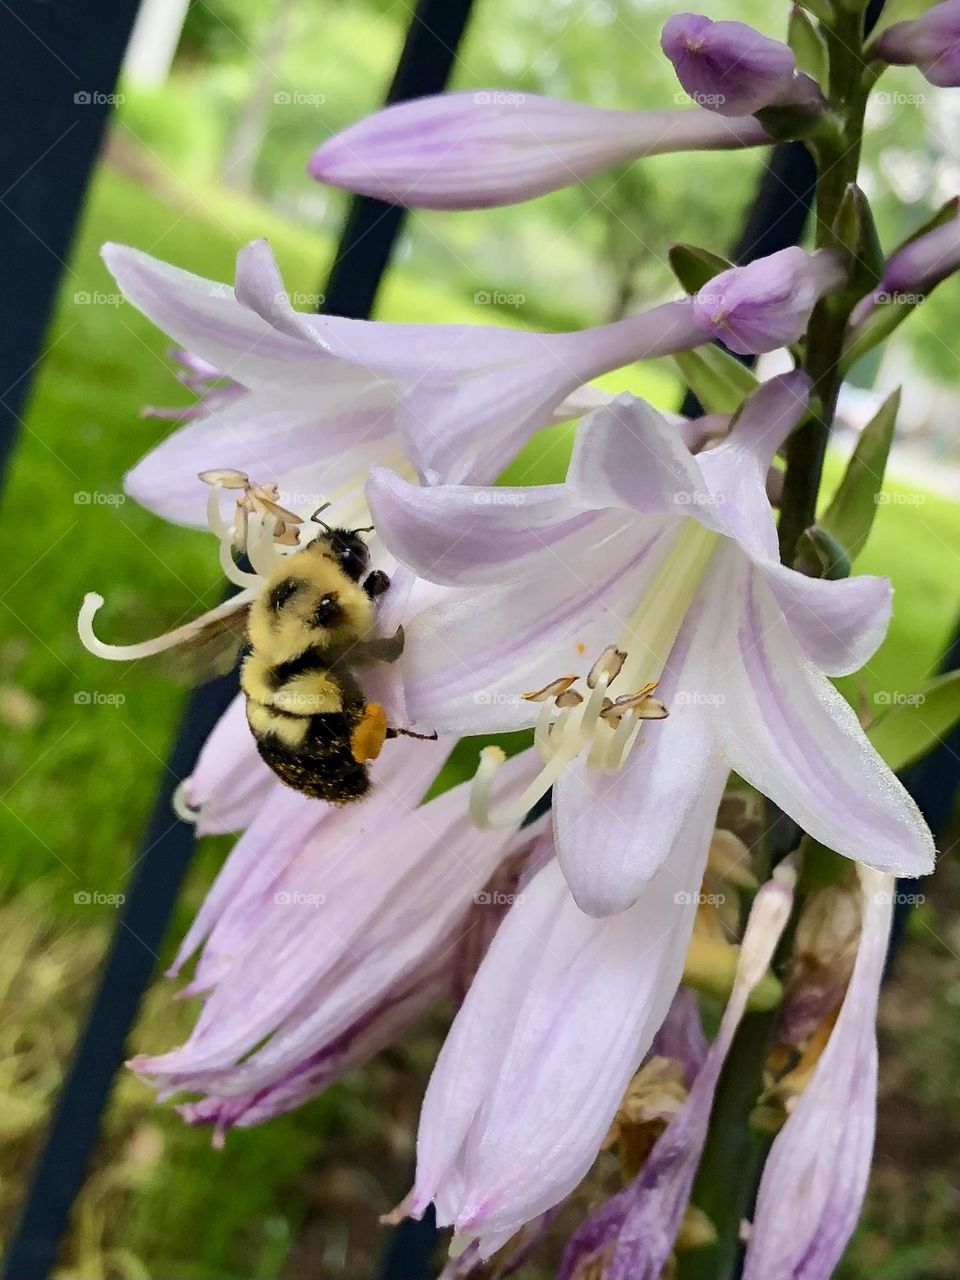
(849, 517)
(912, 723)
(856, 232)
(820, 555)
(719, 381)
(808, 45)
(694, 267)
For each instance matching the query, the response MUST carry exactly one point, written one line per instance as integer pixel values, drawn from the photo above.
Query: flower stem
(837, 153)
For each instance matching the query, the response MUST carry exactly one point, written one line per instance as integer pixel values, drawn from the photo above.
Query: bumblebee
(308, 630)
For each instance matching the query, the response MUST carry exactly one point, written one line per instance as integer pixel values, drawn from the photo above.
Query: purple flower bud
(915, 270)
(931, 42)
(766, 304)
(728, 67)
(495, 147)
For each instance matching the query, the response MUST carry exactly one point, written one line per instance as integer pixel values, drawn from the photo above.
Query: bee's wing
(212, 650)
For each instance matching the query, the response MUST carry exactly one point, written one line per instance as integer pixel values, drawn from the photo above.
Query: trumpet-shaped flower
(316, 400)
(633, 1233)
(639, 618)
(559, 1017)
(346, 923)
(820, 1160)
(496, 147)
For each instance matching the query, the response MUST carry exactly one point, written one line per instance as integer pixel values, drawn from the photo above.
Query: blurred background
(219, 106)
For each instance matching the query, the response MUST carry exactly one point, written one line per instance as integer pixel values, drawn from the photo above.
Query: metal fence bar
(362, 257)
(58, 72)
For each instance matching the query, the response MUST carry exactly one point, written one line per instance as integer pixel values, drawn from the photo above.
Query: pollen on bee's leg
(368, 737)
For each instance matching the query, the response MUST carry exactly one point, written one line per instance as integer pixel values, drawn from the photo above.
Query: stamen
(92, 603)
(551, 690)
(610, 663)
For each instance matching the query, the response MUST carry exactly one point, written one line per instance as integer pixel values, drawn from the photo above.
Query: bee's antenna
(367, 529)
(316, 517)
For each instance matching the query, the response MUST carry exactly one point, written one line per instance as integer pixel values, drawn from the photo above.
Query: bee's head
(345, 546)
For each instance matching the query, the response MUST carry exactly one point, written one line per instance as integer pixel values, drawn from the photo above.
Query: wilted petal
(727, 67)
(820, 1160)
(766, 304)
(493, 147)
(559, 1017)
(786, 730)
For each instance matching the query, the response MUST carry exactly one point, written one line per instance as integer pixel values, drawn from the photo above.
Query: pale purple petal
(838, 625)
(287, 437)
(359, 908)
(465, 670)
(493, 146)
(229, 782)
(735, 471)
(681, 1037)
(786, 730)
(820, 1160)
(924, 262)
(766, 304)
(561, 1013)
(615, 830)
(931, 42)
(468, 535)
(727, 67)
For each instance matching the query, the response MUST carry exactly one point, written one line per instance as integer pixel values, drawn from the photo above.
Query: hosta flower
(495, 147)
(559, 1017)
(916, 268)
(930, 42)
(639, 618)
(345, 924)
(820, 1160)
(631, 1236)
(325, 397)
(731, 68)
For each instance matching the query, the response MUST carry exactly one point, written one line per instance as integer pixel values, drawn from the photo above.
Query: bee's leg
(376, 583)
(379, 649)
(408, 733)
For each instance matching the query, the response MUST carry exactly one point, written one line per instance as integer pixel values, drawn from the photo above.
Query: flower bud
(729, 67)
(767, 303)
(930, 42)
